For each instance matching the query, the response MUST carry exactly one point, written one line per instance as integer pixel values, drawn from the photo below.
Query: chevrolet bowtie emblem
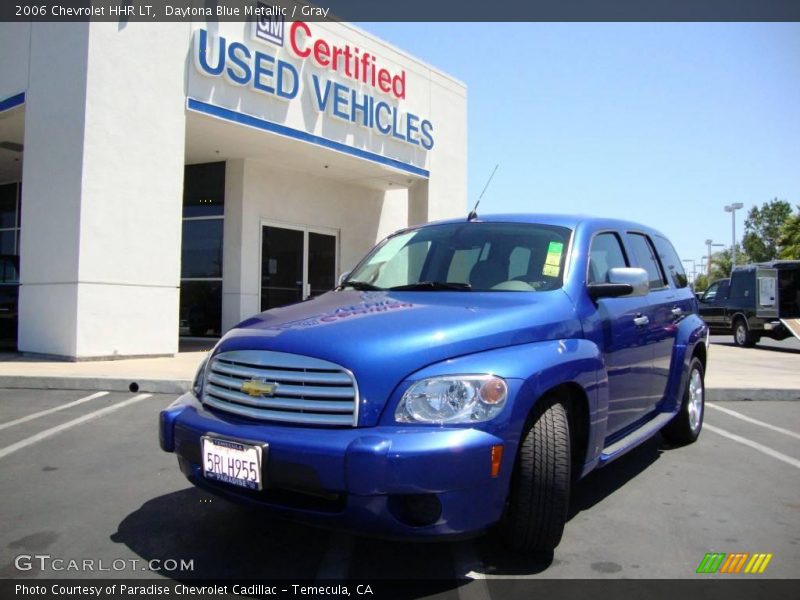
(255, 387)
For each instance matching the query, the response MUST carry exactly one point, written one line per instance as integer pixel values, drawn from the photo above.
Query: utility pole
(732, 208)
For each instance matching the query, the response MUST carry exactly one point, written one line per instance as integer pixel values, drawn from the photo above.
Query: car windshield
(469, 256)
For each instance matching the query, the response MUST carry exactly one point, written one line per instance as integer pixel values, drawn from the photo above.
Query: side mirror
(343, 277)
(622, 281)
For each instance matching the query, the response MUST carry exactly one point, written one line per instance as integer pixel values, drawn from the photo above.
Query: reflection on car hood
(383, 337)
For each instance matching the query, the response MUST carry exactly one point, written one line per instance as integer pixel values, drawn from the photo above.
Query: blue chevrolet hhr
(463, 375)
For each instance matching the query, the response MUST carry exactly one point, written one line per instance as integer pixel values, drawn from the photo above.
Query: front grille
(308, 390)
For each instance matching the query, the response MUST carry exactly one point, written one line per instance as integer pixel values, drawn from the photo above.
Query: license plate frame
(251, 456)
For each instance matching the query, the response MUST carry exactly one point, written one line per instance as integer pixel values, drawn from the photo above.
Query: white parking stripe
(51, 410)
(739, 415)
(755, 445)
(465, 561)
(59, 428)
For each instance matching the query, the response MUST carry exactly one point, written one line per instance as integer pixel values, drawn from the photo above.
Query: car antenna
(474, 212)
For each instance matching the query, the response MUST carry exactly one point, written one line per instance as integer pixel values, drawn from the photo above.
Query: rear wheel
(741, 334)
(538, 501)
(687, 424)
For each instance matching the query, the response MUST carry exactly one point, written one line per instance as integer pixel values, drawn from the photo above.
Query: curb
(723, 394)
(107, 384)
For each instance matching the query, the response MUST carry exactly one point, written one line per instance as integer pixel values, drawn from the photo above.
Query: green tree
(700, 283)
(790, 237)
(762, 230)
(722, 261)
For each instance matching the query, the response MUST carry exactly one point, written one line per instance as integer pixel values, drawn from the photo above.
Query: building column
(101, 204)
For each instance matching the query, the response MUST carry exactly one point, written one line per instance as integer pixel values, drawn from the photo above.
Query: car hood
(383, 337)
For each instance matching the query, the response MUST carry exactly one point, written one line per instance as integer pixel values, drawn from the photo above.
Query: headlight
(453, 399)
(199, 377)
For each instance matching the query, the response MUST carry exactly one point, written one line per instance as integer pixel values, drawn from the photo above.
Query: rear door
(767, 293)
(661, 306)
(712, 305)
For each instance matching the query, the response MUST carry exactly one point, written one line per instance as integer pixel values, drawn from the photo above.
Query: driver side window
(606, 253)
(711, 293)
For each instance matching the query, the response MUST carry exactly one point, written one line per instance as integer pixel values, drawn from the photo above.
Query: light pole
(694, 269)
(709, 244)
(732, 208)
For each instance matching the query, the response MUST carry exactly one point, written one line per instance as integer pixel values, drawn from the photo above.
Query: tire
(741, 334)
(685, 428)
(538, 501)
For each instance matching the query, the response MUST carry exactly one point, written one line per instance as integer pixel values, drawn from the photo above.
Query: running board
(792, 325)
(634, 438)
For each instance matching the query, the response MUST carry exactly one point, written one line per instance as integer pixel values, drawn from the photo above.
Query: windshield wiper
(362, 286)
(434, 286)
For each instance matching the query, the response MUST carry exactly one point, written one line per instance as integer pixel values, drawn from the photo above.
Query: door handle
(677, 311)
(641, 320)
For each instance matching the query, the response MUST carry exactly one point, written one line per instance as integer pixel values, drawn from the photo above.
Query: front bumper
(395, 481)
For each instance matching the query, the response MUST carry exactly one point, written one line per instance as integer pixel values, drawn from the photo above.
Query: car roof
(560, 220)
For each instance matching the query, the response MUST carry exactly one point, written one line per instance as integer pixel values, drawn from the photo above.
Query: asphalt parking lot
(88, 481)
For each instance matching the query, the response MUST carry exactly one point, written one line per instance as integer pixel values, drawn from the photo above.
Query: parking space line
(64, 426)
(465, 558)
(739, 415)
(755, 445)
(50, 411)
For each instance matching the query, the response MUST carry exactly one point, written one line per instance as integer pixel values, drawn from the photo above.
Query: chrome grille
(309, 390)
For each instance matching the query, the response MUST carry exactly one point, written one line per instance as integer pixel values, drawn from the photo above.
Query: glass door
(296, 263)
(321, 263)
(281, 266)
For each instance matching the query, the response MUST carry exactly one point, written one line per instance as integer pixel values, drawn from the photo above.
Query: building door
(296, 263)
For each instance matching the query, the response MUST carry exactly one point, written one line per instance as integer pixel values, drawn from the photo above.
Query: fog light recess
(416, 510)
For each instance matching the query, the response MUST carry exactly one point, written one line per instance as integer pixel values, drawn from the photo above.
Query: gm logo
(267, 26)
(719, 562)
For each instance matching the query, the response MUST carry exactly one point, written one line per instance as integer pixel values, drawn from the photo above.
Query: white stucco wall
(102, 187)
(15, 44)
(105, 135)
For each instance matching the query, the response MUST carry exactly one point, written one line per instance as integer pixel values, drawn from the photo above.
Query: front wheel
(538, 502)
(686, 426)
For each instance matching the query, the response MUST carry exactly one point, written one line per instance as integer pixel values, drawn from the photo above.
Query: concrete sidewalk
(761, 373)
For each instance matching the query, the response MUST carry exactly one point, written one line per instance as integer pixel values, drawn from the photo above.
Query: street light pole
(732, 208)
(710, 243)
(694, 269)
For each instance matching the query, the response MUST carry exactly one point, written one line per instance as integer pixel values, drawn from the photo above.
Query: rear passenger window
(606, 253)
(671, 262)
(646, 259)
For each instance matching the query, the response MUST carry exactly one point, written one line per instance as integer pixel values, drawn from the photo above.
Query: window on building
(9, 218)
(201, 249)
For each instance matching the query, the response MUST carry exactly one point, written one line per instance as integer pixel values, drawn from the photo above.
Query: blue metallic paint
(389, 340)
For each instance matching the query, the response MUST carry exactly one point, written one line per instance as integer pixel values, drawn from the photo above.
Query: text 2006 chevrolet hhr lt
(463, 375)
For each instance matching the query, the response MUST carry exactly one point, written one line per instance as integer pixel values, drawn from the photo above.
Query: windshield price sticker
(553, 260)
(232, 462)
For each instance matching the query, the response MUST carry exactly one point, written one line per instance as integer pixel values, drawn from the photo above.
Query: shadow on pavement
(228, 541)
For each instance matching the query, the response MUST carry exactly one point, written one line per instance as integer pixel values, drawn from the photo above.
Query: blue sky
(657, 122)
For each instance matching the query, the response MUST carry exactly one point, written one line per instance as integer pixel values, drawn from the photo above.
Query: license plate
(232, 462)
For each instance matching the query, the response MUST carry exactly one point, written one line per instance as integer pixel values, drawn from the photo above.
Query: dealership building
(159, 180)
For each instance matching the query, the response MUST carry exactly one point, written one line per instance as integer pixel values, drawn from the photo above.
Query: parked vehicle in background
(9, 299)
(464, 375)
(759, 300)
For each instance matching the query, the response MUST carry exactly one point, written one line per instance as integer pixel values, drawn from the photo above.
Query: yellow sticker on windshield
(553, 260)
(550, 270)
